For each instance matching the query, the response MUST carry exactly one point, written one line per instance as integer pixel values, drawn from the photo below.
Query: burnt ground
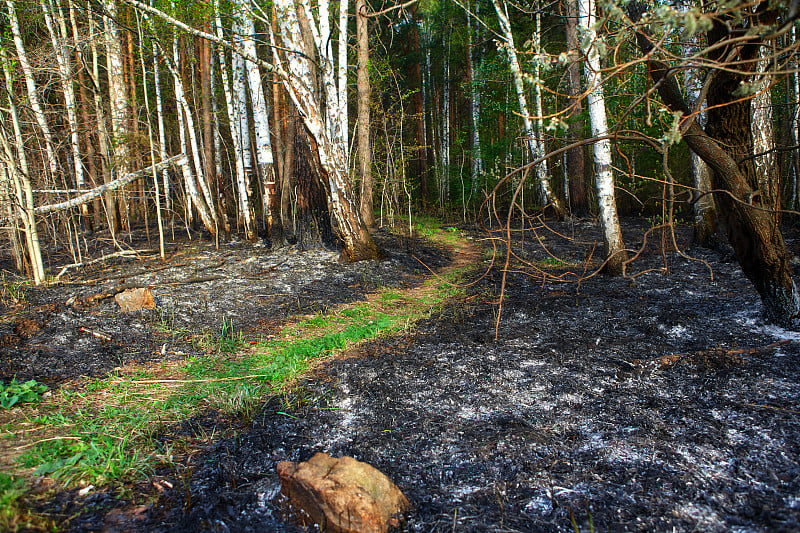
(655, 404)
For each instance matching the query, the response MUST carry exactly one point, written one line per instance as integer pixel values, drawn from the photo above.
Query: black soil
(660, 403)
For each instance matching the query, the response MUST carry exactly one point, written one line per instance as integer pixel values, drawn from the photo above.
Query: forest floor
(655, 402)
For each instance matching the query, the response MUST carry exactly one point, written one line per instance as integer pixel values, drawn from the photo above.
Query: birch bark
(33, 95)
(266, 170)
(245, 211)
(347, 221)
(604, 178)
(58, 38)
(476, 161)
(546, 191)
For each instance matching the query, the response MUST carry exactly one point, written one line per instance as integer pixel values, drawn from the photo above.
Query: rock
(342, 495)
(132, 300)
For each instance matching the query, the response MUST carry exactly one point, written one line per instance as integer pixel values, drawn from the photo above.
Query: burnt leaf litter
(658, 403)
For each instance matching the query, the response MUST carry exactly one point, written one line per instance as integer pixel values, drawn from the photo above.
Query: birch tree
(266, 170)
(545, 189)
(350, 227)
(57, 28)
(243, 199)
(604, 178)
(476, 161)
(33, 95)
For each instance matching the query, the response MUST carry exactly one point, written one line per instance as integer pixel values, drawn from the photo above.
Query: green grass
(104, 433)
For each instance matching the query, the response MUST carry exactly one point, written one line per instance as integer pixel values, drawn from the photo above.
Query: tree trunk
(33, 95)
(266, 171)
(604, 178)
(347, 221)
(705, 210)
(575, 163)
(546, 191)
(231, 102)
(364, 151)
(57, 28)
(419, 110)
(476, 161)
(118, 95)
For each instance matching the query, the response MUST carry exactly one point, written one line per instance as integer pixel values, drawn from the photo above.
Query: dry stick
(124, 253)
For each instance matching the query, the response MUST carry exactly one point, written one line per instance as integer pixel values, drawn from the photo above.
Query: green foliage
(15, 392)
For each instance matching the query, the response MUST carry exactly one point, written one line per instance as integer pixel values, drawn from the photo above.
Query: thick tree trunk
(616, 255)
(347, 221)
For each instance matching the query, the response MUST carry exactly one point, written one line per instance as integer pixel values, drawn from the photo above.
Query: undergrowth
(107, 432)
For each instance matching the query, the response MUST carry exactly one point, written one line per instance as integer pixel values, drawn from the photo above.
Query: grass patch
(104, 433)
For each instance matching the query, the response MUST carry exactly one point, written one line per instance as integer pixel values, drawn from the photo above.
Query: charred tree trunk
(313, 220)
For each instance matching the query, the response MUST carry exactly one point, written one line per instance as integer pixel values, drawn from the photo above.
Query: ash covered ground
(568, 416)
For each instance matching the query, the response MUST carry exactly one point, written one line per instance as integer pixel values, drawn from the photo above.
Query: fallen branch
(179, 160)
(124, 253)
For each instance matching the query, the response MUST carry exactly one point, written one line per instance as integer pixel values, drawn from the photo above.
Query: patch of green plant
(552, 262)
(390, 296)
(13, 513)
(101, 446)
(15, 392)
(12, 292)
(285, 360)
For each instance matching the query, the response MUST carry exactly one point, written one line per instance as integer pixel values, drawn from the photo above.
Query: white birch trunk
(102, 130)
(230, 101)
(201, 198)
(604, 178)
(21, 180)
(763, 138)
(266, 172)
(542, 172)
(544, 181)
(346, 218)
(33, 95)
(444, 181)
(342, 75)
(162, 137)
(59, 37)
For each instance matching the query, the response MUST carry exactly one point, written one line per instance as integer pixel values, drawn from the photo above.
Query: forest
(532, 260)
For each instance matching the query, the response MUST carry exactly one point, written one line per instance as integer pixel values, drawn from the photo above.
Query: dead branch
(124, 253)
(117, 183)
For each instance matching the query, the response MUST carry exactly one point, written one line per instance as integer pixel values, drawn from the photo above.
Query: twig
(101, 336)
(181, 381)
